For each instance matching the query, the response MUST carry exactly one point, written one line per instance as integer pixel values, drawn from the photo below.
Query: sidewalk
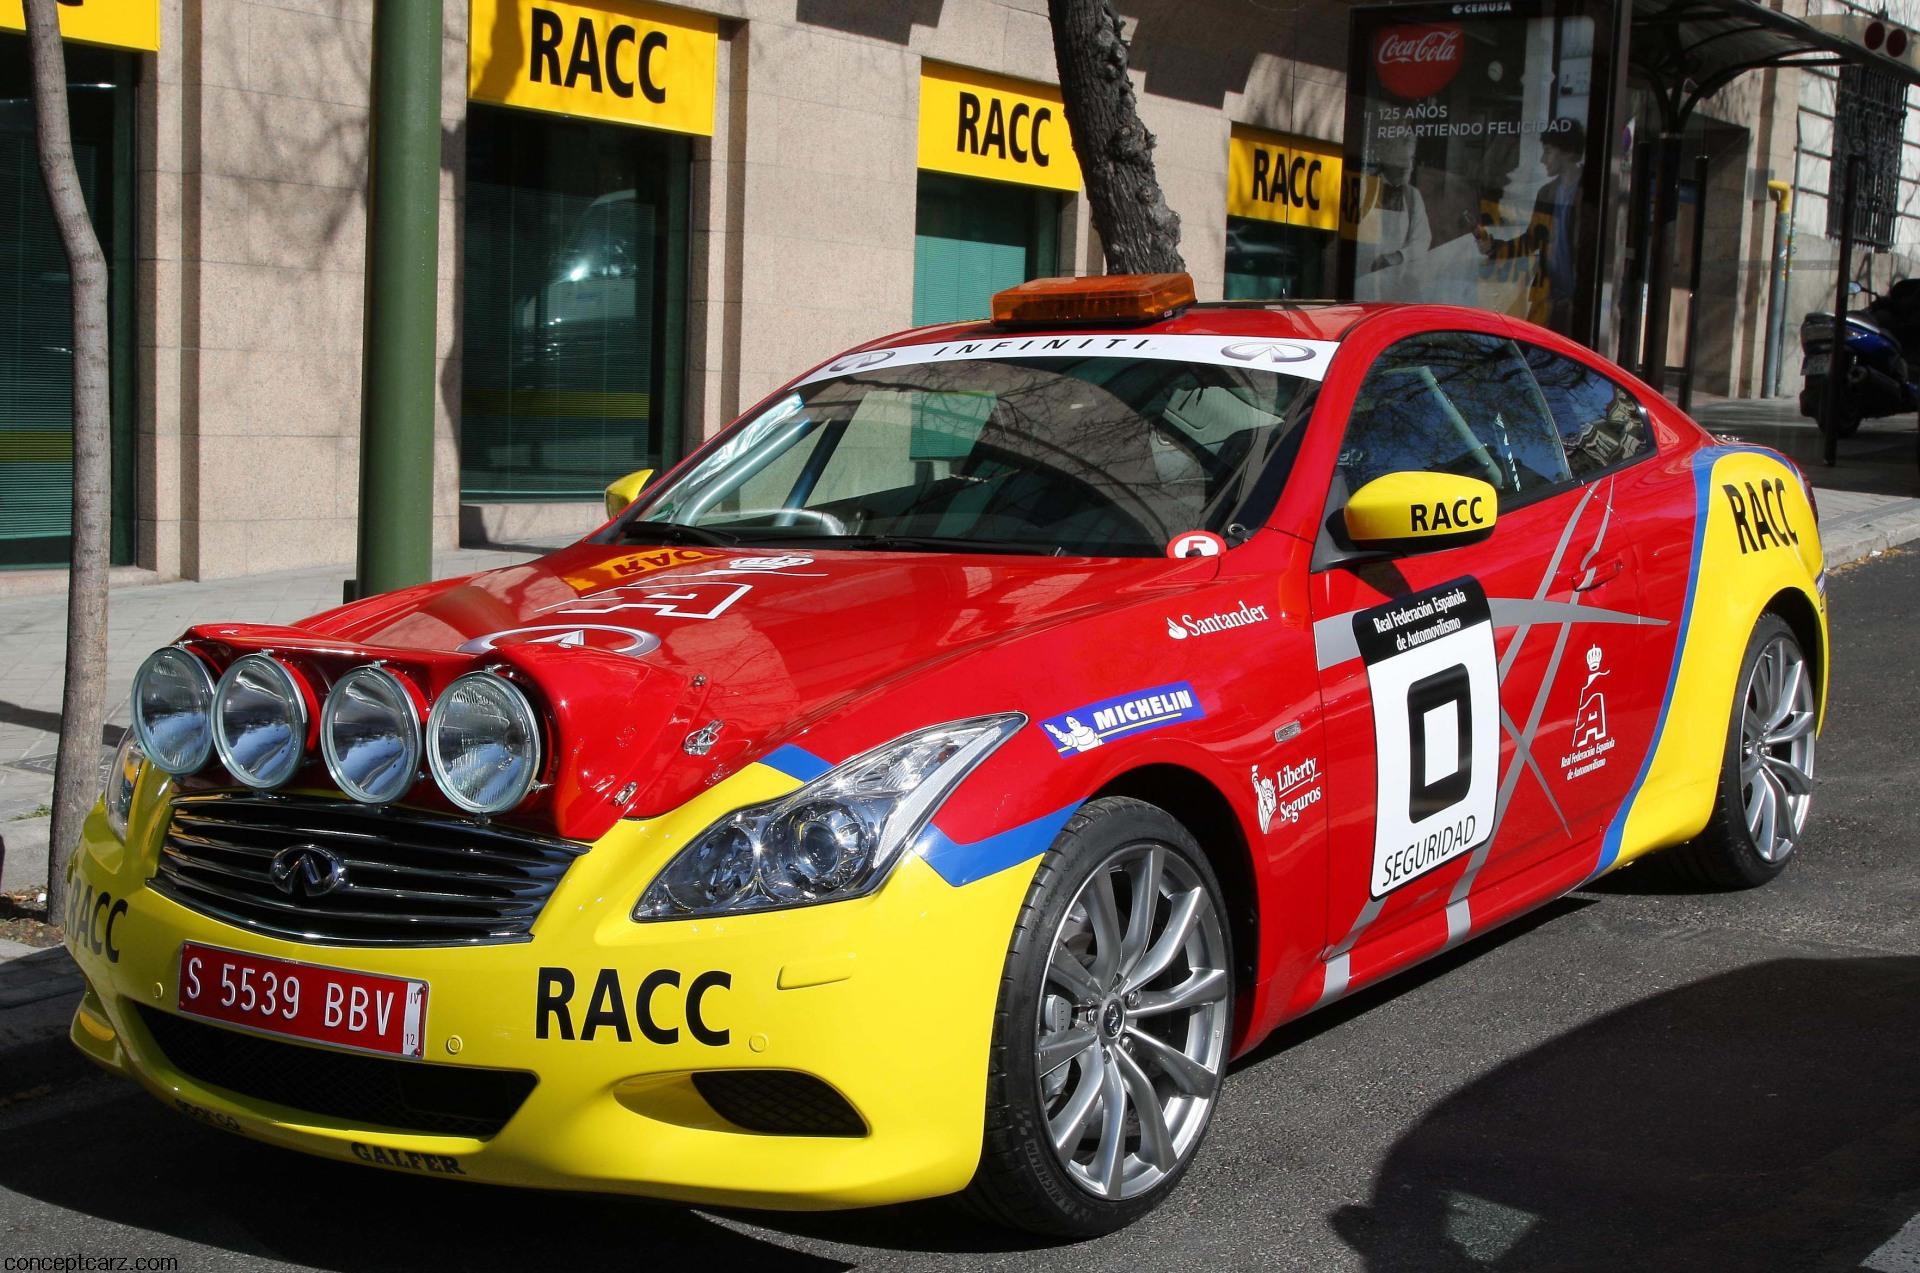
(1869, 502)
(32, 667)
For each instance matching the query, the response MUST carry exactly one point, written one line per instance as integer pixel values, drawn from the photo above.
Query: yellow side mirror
(1414, 511)
(626, 490)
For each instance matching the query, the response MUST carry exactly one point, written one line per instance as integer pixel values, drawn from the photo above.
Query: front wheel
(1111, 1034)
(1766, 779)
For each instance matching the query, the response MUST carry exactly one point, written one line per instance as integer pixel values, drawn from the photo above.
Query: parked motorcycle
(1882, 378)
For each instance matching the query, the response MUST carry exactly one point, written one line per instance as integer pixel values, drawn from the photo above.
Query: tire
(1116, 1033)
(1737, 849)
(1813, 405)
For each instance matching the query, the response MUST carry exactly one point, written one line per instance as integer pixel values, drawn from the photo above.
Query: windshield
(1097, 456)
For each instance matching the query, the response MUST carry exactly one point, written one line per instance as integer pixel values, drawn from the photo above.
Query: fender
(1754, 538)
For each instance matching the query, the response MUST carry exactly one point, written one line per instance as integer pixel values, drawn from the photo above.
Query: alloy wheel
(1776, 748)
(1133, 1021)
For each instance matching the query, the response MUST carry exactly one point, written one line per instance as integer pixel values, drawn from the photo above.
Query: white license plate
(1816, 365)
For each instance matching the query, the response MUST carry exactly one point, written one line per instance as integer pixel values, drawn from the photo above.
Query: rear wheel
(1111, 1034)
(1766, 778)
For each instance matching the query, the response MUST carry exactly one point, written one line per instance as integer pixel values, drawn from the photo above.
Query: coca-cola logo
(1418, 61)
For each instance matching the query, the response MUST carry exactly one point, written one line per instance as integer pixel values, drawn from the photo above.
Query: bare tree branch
(76, 778)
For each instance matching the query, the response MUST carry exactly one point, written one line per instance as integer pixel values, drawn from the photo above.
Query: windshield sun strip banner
(1306, 359)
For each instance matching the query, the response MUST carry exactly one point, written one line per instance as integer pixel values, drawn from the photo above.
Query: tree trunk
(76, 778)
(1140, 233)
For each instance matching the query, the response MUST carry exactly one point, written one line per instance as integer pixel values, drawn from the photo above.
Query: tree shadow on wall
(1762, 1118)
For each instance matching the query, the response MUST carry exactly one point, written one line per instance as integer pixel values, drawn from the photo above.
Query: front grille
(782, 1102)
(373, 1091)
(409, 879)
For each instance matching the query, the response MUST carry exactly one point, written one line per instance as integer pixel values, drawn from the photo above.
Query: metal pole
(1694, 268)
(403, 259)
(1837, 360)
(1634, 277)
(1777, 287)
(1666, 207)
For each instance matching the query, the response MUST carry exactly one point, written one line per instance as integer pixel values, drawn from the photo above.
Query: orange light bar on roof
(1101, 298)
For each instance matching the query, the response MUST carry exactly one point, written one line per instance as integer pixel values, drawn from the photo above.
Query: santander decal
(1418, 61)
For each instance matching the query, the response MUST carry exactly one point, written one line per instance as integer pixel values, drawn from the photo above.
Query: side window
(1455, 402)
(1600, 423)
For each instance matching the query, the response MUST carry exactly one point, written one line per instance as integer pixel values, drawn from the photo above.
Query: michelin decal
(1085, 728)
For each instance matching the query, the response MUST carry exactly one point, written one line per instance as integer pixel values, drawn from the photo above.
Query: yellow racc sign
(1284, 179)
(120, 24)
(618, 60)
(980, 125)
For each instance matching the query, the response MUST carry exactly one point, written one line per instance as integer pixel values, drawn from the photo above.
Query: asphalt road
(1633, 1078)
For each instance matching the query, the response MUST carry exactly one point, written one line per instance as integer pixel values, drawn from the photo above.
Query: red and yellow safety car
(929, 785)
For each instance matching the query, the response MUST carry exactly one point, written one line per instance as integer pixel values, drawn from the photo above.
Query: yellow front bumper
(888, 999)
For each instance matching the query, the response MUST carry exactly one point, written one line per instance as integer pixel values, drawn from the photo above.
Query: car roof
(1294, 320)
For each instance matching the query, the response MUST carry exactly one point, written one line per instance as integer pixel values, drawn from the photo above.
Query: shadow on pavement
(1878, 460)
(1762, 1118)
(1296, 1032)
(129, 1161)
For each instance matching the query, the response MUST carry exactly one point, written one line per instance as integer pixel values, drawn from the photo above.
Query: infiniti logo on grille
(307, 870)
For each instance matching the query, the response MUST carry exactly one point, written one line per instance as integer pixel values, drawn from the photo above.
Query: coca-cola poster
(1468, 149)
(1417, 61)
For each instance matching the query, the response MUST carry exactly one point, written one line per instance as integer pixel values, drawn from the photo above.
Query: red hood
(769, 643)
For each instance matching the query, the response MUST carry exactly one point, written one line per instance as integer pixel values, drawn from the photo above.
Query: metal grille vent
(410, 1096)
(331, 872)
(780, 1102)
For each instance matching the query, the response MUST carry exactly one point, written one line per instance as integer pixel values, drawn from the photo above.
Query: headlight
(370, 735)
(173, 710)
(121, 778)
(835, 838)
(483, 743)
(260, 721)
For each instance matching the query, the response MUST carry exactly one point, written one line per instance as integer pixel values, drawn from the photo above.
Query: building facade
(651, 216)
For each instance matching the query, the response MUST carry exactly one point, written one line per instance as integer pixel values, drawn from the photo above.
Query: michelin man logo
(1075, 737)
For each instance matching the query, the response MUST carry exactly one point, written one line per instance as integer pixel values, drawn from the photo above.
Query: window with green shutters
(972, 238)
(573, 317)
(36, 305)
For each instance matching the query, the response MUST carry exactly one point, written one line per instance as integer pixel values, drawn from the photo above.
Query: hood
(634, 649)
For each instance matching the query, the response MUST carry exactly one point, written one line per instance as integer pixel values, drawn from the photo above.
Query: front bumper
(887, 999)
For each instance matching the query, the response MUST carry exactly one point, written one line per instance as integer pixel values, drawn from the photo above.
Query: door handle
(1599, 573)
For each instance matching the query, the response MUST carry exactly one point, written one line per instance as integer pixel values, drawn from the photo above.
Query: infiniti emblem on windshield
(307, 870)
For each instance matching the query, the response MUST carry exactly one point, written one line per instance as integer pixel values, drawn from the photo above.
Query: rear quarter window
(1601, 425)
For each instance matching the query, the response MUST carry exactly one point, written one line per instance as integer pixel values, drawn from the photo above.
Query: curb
(23, 852)
(1857, 543)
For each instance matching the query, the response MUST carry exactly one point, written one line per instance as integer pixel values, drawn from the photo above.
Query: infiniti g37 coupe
(932, 783)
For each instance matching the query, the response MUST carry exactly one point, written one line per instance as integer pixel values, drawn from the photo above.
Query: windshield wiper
(935, 543)
(676, 533)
